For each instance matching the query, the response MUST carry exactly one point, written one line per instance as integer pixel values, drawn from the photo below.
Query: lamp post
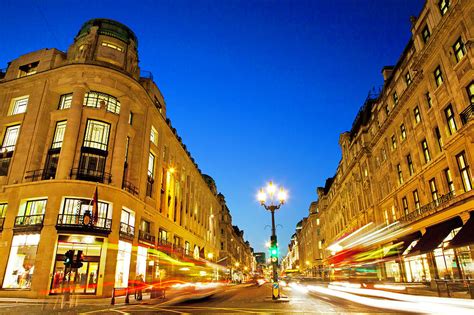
(275, 201)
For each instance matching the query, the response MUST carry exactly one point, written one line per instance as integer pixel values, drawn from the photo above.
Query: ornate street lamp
(275, 201)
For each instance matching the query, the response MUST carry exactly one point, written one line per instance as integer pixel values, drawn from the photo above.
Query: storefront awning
(465, 236)
(434, 236)
(404, 242)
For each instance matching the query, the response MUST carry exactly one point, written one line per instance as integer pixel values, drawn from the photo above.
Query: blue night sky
(258, 90)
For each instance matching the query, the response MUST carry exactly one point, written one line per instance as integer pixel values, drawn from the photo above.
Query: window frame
(426, 150)
(417, 114)
(65, 101)
(461, 50)
(90, 143)
(19, 105)
(450, 119)
(464, 172)
(54, 143)
(438, 76)
(94, 98)
(425, 34)
(449, 180)
(443, 6)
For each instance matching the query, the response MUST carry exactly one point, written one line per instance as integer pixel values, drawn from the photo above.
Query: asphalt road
(233, 300)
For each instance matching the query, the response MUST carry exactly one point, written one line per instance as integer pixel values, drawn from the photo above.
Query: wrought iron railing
(80, 220)
(162, 242)
(127, 186)
(467, 114)
(42, 174)
(91, 175)
(126, 230)
(146, 237)
(29, 220)
(427, 209)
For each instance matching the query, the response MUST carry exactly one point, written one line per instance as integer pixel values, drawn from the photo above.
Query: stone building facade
(89, 161)
(401, 203)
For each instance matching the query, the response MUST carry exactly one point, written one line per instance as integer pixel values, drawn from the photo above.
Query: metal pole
(275, 285)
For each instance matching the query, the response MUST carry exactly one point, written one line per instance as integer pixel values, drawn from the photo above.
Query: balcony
(467, 114)
(29, 222)
(164, 245)
(91, 175)
(129, 187)
(146, 237)
(427, 209)
(127, 231)
(37, 175)
(83, 224)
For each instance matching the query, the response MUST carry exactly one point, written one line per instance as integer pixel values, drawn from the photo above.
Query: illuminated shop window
(21, 262)
(123, 264)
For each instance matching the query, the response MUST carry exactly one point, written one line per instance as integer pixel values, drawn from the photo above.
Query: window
(162, 235)
(187, 247)
(394, 142)
(405, 205)
(10, 138)
(416, 199)
(443, 6)
(65, 101)
(3, 210)
(130, 118)
(425, 34)
(459, 49)
(59, 134)
(145, 226)
(408, 78)
(449, 113)
(387, 221)
(464, 171)
(21, 261)
(426, 151)
(19, 105)
(97, 135)
(395, 98)
(127, 222)
(416, 112)
(113, 46)
(32, 213)
(429, 102)
(400, 174)
(28, 69)
(387, 109)
(101, 100)
(151, 174)
(449, 180)
(154, 136)
(410, 165)
(438, 76)
(433, 189)
(470, 93)
(74, 209)
(403, 132)
(122, 269)
(439, 140)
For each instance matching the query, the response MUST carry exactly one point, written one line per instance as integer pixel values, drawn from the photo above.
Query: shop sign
(427, 209)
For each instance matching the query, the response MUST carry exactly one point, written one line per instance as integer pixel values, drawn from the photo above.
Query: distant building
(260, 258)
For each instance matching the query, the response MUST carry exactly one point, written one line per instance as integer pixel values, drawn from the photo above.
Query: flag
(95, 206)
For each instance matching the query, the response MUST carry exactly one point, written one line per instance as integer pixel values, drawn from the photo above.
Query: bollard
(127, 298)
(113, 297)
(470, 288)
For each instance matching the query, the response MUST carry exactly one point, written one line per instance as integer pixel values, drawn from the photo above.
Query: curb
(189, 297)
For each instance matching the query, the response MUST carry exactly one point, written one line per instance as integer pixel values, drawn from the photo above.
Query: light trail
(416, 304)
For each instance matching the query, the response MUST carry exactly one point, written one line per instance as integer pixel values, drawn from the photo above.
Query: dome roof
(110, 28)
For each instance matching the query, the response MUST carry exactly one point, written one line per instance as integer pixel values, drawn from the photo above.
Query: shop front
(81, 280)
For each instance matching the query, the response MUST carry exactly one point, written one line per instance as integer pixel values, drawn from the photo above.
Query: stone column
(120, 142)
(71, 136)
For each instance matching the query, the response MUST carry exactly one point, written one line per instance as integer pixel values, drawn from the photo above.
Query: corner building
(84, 121)
(401, 203)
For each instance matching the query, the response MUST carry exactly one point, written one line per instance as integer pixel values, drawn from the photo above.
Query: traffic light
(68, 258)
(79, 259)
(274, 252)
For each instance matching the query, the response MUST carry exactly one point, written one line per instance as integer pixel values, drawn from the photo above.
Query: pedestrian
(139, 287)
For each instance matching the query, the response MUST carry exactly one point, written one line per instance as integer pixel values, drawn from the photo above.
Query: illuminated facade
(401, 203)
(86, 120)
